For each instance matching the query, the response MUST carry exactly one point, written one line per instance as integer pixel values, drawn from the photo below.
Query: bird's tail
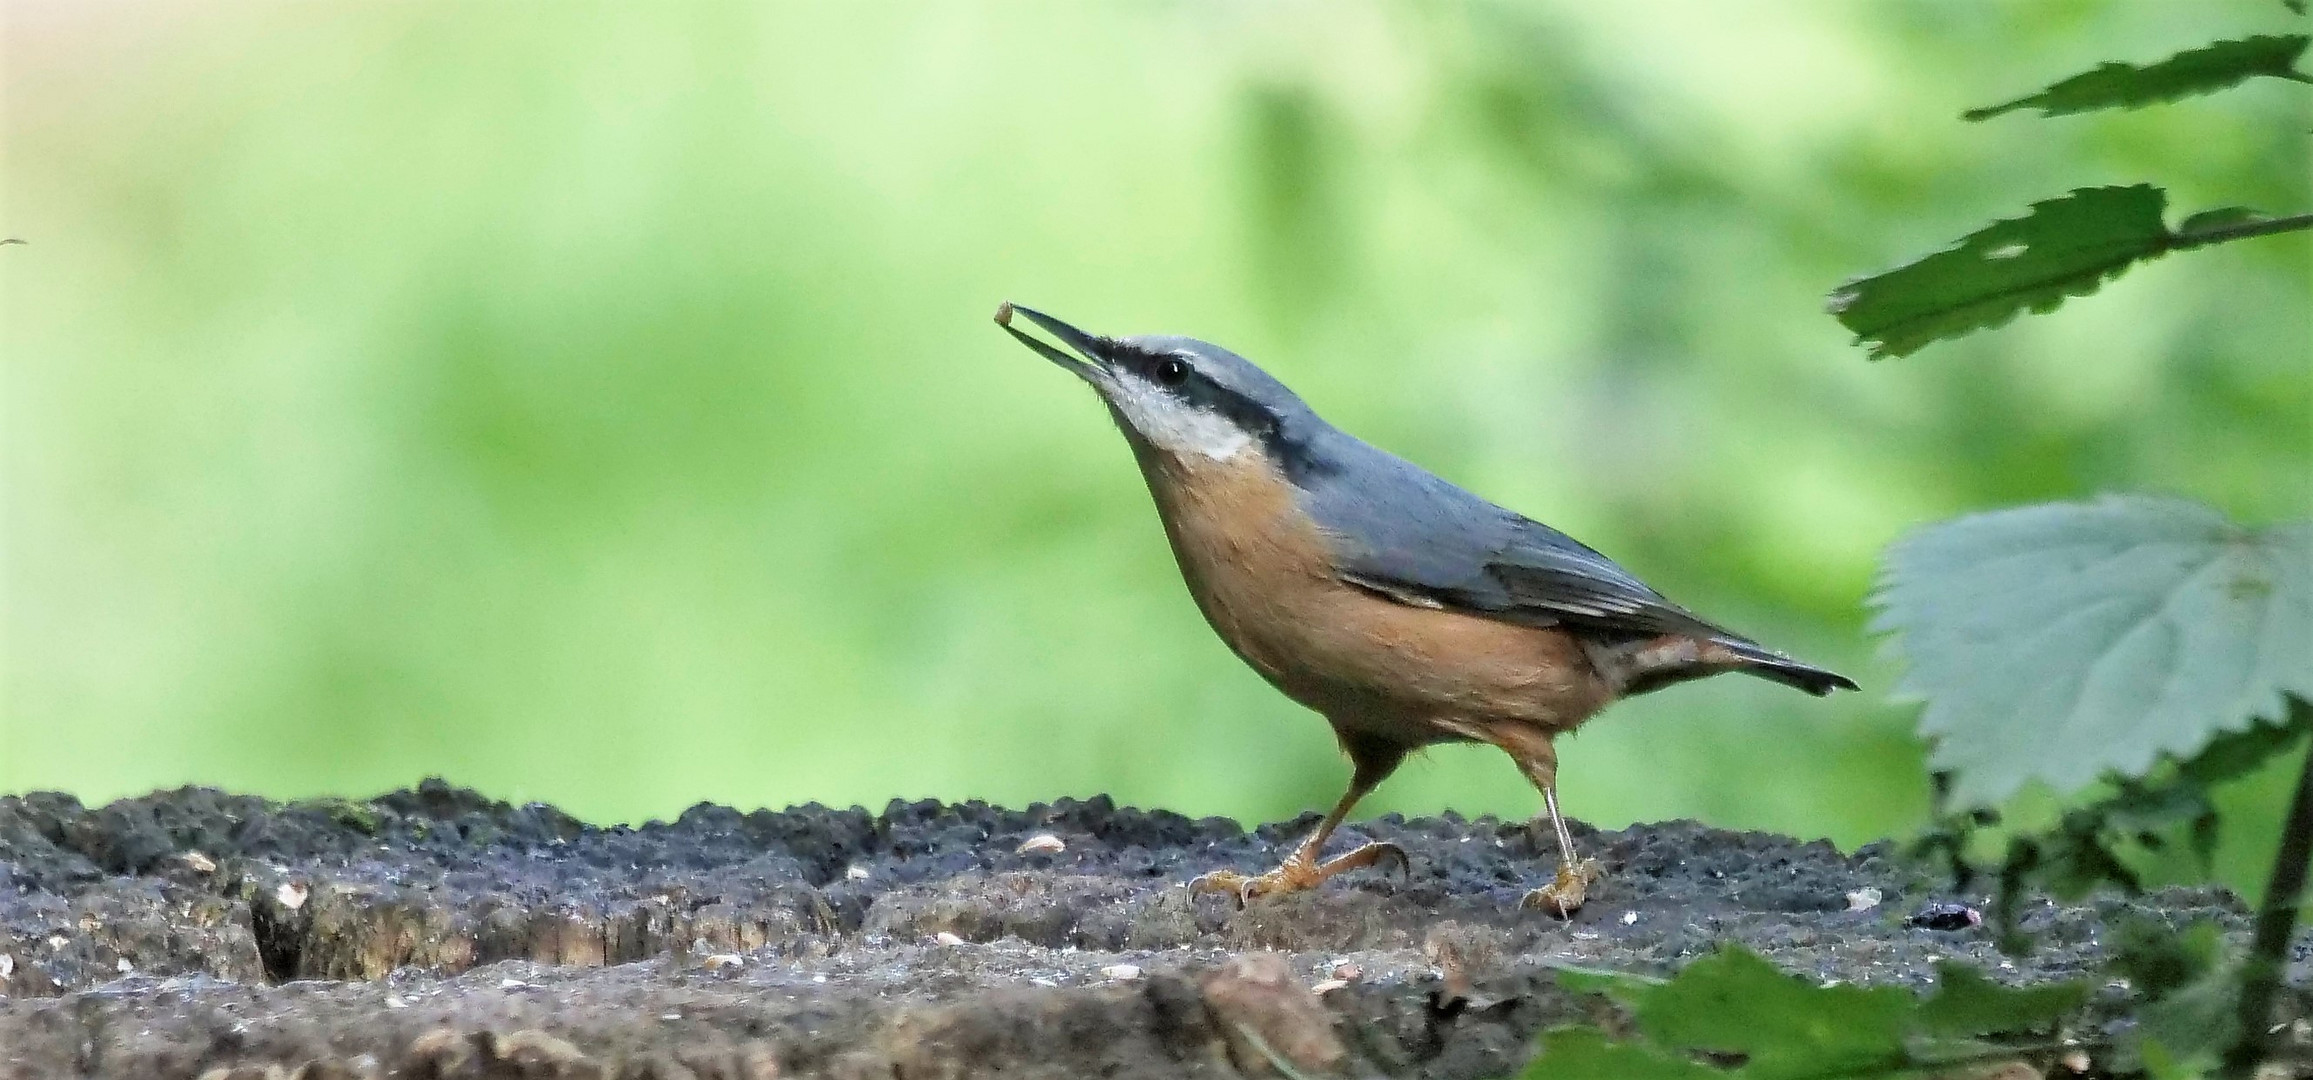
(1754, 659)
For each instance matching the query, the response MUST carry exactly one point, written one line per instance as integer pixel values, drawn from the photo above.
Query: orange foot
(1565, 894)
(1299, 872)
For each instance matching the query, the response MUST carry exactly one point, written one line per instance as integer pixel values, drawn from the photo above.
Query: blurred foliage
(2136, 825)
(2139, 638)
(1735, 1009)
(601, 408)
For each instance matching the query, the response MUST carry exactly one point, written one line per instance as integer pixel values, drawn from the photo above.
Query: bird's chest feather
(1265, 577)
(1259, 568)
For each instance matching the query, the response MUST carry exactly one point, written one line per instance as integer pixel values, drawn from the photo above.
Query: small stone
(1946, 916)
(1121, 972)
(1256, 994)
(855, 873)
(759, 1062)
(199, 863)
(450, 1049)
(1864, 899)
(124, 967)
(1629, 917)
(510, 984)
(1328, 986)
(1042, 844)
(820, 978)
(719, 961)
(1347, 972)
(396, 1001)
(535, 1053)
(2074, 1060)
(7, 965)
(292, 894)
(948, 938)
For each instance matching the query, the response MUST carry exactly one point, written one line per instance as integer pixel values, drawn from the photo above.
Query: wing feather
(1417, 539)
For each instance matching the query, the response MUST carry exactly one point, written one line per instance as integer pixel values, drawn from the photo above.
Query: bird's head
(1175, 394)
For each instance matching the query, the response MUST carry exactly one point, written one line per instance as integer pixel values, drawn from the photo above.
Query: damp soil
(436, 932)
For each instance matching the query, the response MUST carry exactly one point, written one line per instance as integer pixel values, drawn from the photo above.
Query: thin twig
(2276, 920)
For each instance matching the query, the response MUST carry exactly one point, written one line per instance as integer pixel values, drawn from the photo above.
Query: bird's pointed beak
(1091, 362)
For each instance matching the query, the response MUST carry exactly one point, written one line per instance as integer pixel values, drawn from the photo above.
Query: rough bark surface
(438, 933)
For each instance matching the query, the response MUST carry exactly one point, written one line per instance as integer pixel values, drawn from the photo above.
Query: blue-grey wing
(1410, 535)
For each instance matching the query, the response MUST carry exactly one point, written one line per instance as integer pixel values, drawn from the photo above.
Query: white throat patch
(1176, 426)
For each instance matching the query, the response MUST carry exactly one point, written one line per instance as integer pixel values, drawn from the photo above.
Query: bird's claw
(1566, 893)
(1244, 887)
(1297, 873)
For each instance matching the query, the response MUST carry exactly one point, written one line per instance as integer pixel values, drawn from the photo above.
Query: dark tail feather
(1640, 665)
(1754, 660)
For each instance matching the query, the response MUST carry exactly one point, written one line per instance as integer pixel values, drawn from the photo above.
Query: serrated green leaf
(2204, 70)
(2236, 754)
(2066, 246)
(1968, 1004)
(1583, 1053)
(2192, 1026)
(2055, 643)
(1732, 1001)
(1622, 986)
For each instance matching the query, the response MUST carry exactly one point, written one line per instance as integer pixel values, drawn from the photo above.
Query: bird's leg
(1301, 869)
(1567, 891)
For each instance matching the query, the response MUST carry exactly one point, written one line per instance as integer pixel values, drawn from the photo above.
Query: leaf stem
(2276, 919)
(2239, 231)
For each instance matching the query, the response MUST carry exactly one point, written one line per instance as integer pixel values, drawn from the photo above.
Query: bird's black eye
(1172, 371)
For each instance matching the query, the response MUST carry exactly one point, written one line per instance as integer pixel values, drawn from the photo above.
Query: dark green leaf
(1735, 1004)
(2158, 961)
(2197, 71)
(2193, 1025)
(1621, 986)
(1582, 1053)
(1966, 1003)
(1732, 1001)
(2236, 754)
(2065, 247)
(2060, 642)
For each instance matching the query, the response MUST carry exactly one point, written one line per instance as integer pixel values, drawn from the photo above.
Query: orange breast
(1263, 576)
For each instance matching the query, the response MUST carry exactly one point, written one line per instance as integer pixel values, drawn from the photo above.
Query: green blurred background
(598, 402)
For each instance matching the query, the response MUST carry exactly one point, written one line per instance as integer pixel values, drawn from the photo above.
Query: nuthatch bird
(1405, 610)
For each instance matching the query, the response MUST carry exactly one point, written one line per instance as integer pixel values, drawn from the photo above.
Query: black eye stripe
(1183, 378)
